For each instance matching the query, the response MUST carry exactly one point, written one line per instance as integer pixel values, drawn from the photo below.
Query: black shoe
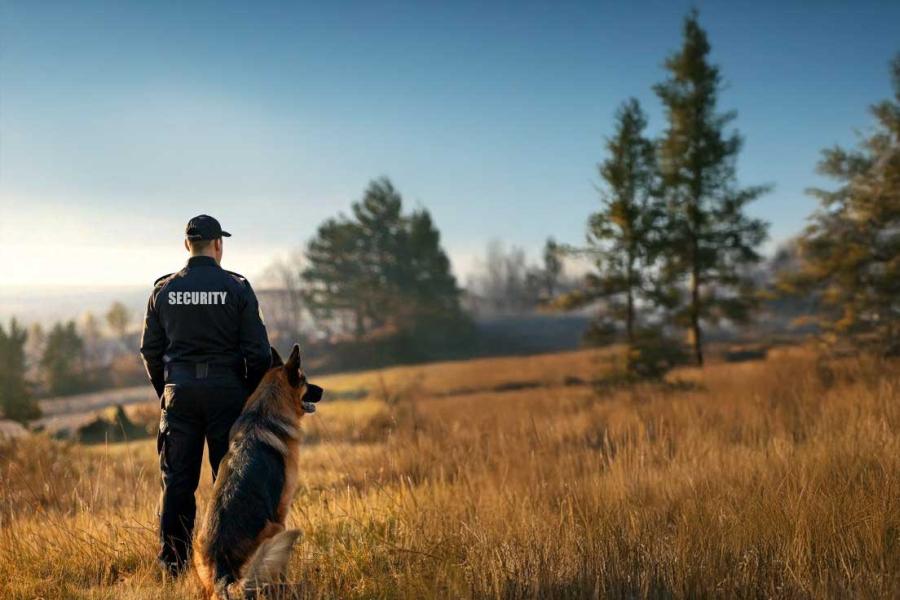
(172, 570)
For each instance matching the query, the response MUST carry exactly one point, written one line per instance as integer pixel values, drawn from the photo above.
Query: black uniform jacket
(204, 314)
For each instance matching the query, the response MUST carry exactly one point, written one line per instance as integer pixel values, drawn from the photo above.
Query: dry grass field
(518, 478)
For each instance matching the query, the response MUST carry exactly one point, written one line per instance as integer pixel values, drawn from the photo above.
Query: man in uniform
(205, 349)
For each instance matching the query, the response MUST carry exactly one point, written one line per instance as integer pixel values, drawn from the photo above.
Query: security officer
(205, 349)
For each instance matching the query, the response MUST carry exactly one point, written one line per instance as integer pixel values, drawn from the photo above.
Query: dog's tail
(267, 565)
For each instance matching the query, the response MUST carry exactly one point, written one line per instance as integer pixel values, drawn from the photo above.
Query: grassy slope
(775, 478)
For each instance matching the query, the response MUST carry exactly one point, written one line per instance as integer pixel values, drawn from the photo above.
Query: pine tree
(553, 267)
(383, 238)
(621, 235)
(385, 268)
(16, 402)
(117, 317)
(62, 361)
(92, 337)
(711, 241)
(334, 280)
(428, 276)
(850, 252)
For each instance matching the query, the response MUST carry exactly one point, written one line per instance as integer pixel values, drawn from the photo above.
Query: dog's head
(305, 394)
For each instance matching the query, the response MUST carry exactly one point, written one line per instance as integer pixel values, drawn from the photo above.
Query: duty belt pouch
(202, 370)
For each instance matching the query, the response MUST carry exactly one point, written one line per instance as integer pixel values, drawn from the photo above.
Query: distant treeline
(68, 358)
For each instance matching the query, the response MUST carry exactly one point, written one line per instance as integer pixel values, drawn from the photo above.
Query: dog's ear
(292, 366)
(293, 361)
(276, 358)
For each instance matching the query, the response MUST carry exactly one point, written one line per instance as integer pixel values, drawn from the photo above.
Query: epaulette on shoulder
(238, 276)
(162, 279)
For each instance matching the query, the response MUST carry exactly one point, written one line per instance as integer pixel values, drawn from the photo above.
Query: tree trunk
(629, 298)
(359, 325)
(629, 318)
(695, 227)
(695, 315)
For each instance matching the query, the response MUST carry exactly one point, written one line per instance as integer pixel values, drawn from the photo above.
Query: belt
(198, 370)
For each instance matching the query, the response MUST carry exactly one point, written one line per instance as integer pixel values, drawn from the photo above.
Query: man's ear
(276, 358)
(292, 366)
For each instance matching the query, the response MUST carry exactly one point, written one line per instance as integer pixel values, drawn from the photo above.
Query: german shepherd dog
(242, 544)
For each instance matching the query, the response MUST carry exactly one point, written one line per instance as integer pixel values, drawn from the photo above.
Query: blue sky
(119, 121)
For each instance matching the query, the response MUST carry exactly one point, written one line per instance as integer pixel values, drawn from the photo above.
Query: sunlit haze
(120, 121)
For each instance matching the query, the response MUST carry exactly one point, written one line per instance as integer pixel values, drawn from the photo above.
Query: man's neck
(209, 256)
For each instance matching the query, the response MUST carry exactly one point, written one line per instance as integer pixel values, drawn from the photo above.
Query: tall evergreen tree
(621, 235)
(385, 268)
(16, 402)
(711, 241)
(334, 275)
(384, 240)
(850, 252)
(428, 276)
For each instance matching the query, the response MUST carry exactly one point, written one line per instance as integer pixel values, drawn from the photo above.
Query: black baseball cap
(204, 227)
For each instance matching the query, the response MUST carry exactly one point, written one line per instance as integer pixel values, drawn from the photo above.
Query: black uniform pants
(193, 410)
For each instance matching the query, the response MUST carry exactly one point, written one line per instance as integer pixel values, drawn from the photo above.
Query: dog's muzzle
(313, 394)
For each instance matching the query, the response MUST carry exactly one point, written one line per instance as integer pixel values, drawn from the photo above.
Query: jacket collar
(202, 261)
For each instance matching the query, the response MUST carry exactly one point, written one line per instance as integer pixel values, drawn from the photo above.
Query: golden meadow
(523, 478)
